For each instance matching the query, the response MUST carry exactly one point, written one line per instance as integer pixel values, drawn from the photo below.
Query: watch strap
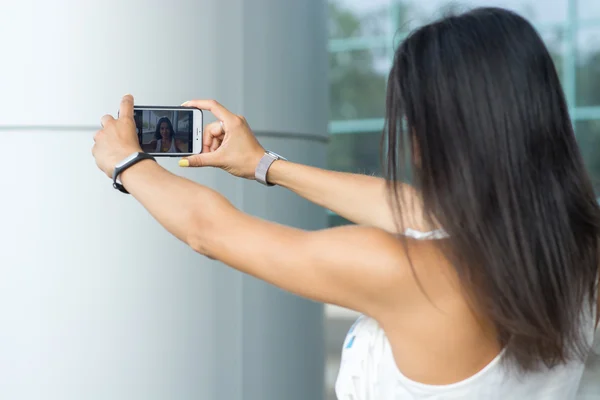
(122, 167)
(263, 166)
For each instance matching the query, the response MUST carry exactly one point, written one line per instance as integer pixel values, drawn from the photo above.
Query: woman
(164, 137)
(478, 283)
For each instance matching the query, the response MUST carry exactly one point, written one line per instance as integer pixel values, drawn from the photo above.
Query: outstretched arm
(361, 199)
(348, 266)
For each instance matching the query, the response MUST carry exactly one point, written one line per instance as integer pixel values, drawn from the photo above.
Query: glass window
(588, 67)
(588, 9)
(588, 136)
(555, 40)
(357, 83)
(355, 152)
(418, 12)
(357, 18)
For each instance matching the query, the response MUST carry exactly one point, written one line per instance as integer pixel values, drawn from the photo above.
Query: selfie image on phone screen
(168, 131)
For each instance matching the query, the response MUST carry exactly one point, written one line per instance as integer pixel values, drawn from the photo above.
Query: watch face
(125, 161)
(276, 156)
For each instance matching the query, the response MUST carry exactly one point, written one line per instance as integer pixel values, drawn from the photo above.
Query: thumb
(201, 160)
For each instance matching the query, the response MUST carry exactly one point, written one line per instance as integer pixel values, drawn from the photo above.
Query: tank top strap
(429, 235)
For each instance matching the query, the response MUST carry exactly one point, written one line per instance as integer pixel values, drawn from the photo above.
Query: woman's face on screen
(165, 132)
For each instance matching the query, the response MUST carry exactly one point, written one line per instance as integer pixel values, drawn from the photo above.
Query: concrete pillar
(97, 301)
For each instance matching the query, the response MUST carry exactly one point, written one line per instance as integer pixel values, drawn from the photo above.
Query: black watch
(126, 163)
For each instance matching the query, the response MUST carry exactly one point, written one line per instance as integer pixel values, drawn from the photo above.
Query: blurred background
(96, 300)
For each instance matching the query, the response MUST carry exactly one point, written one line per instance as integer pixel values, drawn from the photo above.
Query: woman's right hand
(228, 143)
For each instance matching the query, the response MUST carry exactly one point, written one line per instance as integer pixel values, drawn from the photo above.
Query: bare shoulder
(401, 271)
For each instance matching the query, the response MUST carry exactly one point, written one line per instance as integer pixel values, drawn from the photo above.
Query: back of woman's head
(478, 99)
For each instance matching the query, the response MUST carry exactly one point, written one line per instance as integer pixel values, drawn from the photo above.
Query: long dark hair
(477, 100)
(157, 134)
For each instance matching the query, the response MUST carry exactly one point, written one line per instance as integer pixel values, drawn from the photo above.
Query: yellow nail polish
(184, 163)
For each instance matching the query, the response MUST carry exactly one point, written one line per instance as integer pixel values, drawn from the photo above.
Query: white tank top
(368, 370)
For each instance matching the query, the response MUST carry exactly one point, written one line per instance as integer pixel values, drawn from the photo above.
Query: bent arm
(361, 199)
(354, 267)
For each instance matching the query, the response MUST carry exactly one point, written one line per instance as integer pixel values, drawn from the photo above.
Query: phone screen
(165, 130)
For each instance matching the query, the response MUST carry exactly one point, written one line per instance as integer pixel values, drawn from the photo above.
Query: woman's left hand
(117, 139)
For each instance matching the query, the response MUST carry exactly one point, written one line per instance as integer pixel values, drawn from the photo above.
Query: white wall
(97, 301)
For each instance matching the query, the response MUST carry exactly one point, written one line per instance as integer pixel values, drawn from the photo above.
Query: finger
(201, 160)
(126, 108)
(97, 135)
(215, 144)
(106, 119)
(211, 131)
(213, 106)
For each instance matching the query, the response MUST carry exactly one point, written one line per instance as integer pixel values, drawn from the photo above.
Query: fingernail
(184, 103)
(184, 163)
